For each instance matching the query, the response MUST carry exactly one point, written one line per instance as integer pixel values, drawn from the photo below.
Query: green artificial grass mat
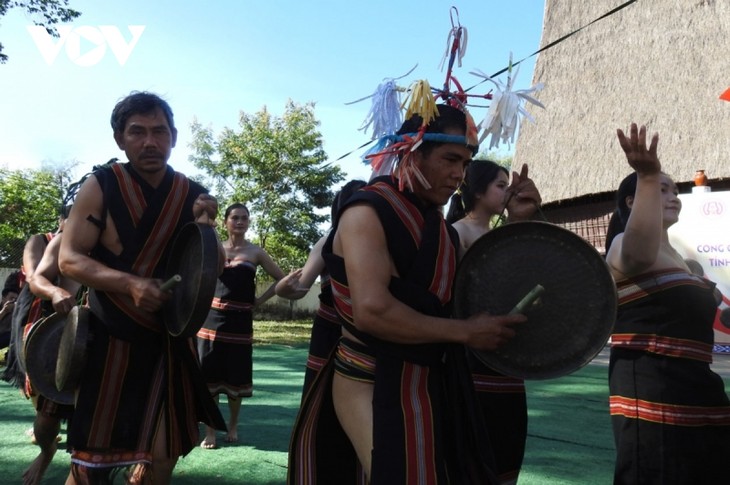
(569, 435)
(260, 456)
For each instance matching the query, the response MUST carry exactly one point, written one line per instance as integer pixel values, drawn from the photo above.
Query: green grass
(259, 458)
(569, 437)
(569, 433)
(287, 332)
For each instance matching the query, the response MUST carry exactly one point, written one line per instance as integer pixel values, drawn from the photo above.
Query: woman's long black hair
(479, 174)
(620, 216)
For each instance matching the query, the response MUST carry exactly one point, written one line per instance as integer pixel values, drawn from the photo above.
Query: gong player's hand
(205, 209)
(489, 332)
(62, 301)
(146, 294)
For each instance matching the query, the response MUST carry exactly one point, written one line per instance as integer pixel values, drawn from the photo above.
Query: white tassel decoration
(505, 110)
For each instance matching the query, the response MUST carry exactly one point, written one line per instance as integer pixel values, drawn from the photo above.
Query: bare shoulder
(35, 245)
(359, 229)
(460, 229)
(469, 232)
(89, 199)
(52, 247)
(359, 216)
(256, 250)
(614, 260)
(36, 240)
(81, 233)
(253, 253)
(459, 225)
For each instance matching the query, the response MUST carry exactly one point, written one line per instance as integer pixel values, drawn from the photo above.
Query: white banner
(703, 235)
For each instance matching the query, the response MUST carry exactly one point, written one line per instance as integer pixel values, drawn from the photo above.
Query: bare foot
(35, 471)
(208, 445)
(232, 436)
(209, 442)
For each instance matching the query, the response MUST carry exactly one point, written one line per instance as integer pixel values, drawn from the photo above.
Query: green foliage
(46, 13)
(502, 159)
(30, 201)
(276, 166)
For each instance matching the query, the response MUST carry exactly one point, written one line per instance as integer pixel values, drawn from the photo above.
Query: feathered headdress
(391, 154)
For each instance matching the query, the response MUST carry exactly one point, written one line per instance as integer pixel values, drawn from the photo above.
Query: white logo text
(98, 37)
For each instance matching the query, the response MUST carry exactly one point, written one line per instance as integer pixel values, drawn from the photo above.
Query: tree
(30, 203)
(501, 159)
(276, 166)
(46, 13)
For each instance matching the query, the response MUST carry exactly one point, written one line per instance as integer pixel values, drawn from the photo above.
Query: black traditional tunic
(427, 429)
(225, 341)
(326, 332)
(25, 313)
(136, 373)
(503, 401)
(30, 310)
(670, 412)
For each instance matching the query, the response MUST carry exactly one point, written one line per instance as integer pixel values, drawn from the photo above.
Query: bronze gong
(72, 349)
(41, 354)
(20, 315)
(194, 257)
(572, 319)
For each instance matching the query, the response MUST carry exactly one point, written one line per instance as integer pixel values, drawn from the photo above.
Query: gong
(571, 320)
(193, 257)
(20, 316)
(41, 354)
(72, 349)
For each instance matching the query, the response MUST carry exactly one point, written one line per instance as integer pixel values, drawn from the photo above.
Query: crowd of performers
(142, 392)
(390, 404)
(391, 392)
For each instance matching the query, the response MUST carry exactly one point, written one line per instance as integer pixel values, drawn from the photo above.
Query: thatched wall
(659, 62)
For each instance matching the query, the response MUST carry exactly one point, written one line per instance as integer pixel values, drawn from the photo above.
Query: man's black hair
(139, 102)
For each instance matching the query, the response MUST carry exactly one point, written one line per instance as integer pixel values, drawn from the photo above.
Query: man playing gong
(141, 394)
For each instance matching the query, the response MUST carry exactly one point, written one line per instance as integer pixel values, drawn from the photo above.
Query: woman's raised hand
(642, 159)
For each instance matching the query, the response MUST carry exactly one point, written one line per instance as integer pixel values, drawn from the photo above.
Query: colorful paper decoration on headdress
(385, 115)
(506, 109)
(725, 96)
(391, 155)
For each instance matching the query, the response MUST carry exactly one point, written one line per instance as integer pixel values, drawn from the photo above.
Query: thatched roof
(657, 62)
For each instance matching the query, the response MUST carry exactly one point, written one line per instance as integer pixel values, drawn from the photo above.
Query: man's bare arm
(361, 241)
(296, 284)
(32, 254)
(42, 283)
(81, 236)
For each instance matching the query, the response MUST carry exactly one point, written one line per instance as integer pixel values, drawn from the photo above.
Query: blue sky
(211, 60)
